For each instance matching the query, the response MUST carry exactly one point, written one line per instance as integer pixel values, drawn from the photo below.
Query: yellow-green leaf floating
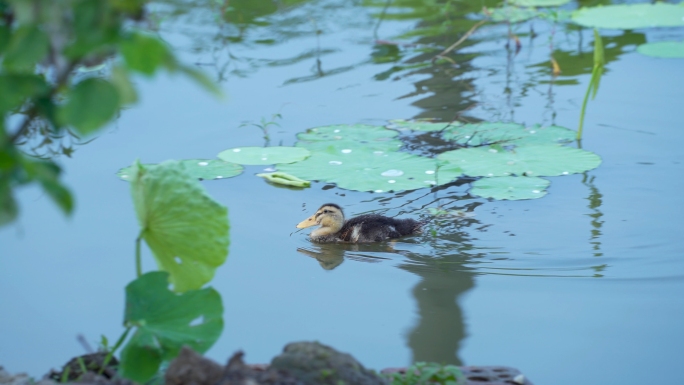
(186, 230)
(631, 16)
(367, 170)
(345, 137)
(510, 187)
(205, 169)
(263, 155)
(540, 160)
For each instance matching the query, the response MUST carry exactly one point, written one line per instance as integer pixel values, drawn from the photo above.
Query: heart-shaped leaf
(186, 230)
(346, 138)
(510, 187)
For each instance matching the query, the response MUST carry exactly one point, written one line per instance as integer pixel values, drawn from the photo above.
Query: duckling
(362, 229)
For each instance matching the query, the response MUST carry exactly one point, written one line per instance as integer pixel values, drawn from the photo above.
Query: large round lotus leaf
(539, 3)
(366, 170)
(417, 125)
(264, 155)
(664, 49)
(478, 134)
(206, 169)
(186, 230)
(631, 16)
(508, 134)
(540, 160)
(510, 187)
(349, 137)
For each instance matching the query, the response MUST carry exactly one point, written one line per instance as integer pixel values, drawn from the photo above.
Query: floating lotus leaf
(164, 322)
(349, 137)
(417, 125)
(510, 187)
(508, 134)
(206, 169)
(631, 16)
(186, 230)
(264, 155)
(539, 3)
(512, 14)
(539, 160)
(664, 49)
(367, 170)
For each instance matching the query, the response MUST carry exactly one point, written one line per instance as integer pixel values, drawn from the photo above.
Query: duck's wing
(375, 228)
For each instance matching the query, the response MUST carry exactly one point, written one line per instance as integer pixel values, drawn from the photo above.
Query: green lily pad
(367, 170)
(510, 187)
(264, 155)
(664, 49)
(539, 3)
(164, 322)
(348, 137)
(418, 125)
(205, 169)
(512, 14)
(539, 160)
(508, 134)
(631, 16)
(186, 230)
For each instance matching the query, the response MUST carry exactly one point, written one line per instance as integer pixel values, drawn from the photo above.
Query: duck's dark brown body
(371, 228)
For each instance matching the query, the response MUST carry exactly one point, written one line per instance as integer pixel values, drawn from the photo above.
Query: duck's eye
(326, 211)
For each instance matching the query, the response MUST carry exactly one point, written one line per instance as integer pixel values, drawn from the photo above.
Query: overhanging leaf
(145, 53)
(186, 230)
(510, 187)
(540, 160)
(264, 155)
(367, 170)
(90, 105)
(206, 169)
(630, 16)
(663, 49)
(165, 321)
(27, 46)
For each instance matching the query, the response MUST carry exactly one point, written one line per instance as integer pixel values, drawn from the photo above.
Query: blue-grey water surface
(584, 285)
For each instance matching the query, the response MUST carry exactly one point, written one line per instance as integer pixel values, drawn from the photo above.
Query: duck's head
(329, 216)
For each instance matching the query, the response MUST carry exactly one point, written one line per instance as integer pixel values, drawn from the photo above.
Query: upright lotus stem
(599, 62)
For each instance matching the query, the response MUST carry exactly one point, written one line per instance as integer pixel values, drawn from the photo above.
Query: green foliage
(539, 3)
(186, 230)
(428, 373)
(479, 134)
(43, 44)
(206, 169)
(597, 71)
(164, 322)
(663, 49)
(510, 187)
(264, 155)
(631, 16)
(348, 137)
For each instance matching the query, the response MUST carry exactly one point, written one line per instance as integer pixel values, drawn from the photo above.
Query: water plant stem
(116, 346)
(138, 260)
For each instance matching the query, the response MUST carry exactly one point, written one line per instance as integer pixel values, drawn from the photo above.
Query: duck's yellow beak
(308, 222)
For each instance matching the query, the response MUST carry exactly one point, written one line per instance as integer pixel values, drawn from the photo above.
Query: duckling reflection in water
(362, 229)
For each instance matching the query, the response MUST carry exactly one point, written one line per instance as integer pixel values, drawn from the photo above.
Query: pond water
(582, 286)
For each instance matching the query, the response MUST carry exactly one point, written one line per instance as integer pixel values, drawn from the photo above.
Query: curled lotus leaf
(284, 179)
(368, 170)
(347, 137)
(510, 187)
(264, 155)
(205, 169)
(631, 16)
(663, 49)
(539, 160)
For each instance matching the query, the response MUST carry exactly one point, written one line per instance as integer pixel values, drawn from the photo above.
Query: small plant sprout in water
(428, 373)
(263, 126)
